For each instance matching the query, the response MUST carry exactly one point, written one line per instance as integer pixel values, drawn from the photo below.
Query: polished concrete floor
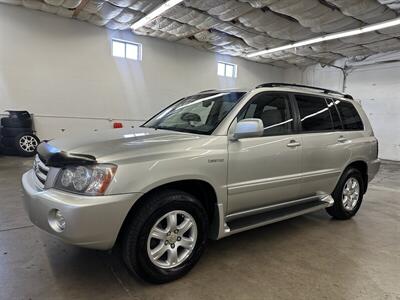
(309, 257)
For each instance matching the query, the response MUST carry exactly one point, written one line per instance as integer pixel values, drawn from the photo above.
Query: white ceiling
(238, 27)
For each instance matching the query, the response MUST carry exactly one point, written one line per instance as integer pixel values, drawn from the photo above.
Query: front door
(265, 170)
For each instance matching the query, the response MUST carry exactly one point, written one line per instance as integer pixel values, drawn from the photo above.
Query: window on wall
(127, 50)
(227, 70)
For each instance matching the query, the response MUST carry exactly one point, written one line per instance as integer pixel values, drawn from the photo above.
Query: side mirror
(248, 128)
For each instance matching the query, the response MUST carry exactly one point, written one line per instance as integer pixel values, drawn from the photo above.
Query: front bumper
(92, 222)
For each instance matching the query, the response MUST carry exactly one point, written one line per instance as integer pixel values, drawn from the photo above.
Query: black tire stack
(16, 134)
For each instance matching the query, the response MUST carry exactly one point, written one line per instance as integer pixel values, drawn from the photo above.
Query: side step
(268, 217)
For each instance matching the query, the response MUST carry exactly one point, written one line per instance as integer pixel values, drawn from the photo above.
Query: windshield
(200, 113)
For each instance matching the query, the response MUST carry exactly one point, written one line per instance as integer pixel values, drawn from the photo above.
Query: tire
(339, 210)
(136, 240)
(19, 114)
(26, 144)
(8, 141)
(16, 123)
(13, 132)
(8, 151)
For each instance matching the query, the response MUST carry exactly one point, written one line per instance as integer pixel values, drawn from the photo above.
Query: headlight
(88, 180)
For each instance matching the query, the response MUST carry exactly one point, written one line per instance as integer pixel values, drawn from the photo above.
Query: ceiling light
(155, 13)
(329, 37)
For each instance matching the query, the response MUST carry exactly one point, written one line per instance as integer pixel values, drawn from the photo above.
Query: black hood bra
(54, 157)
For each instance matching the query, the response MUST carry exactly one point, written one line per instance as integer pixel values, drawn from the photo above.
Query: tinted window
(314, 113)
(273, 109)
(337, 123)
(350, 118)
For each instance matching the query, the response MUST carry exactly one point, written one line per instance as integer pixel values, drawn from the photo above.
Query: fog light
(56, 220)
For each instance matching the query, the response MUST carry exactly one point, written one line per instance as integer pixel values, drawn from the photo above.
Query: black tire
(28, 148)
(338, 211)
(8, 142)
(20, 114)
(16, 123)
(134, 243)
(8, 151)
(13, 132)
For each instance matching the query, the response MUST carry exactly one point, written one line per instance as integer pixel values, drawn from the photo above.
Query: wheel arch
(200, 189)
(362, 166)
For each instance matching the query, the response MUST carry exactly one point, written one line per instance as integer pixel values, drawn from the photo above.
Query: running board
(273, 216)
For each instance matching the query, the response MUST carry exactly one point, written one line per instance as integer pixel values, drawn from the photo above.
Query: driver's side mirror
(248, 128)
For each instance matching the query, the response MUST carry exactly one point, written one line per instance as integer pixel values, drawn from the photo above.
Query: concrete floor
(309, 257)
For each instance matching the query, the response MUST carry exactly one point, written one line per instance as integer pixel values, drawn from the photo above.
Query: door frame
(292, 106)
(293, 132)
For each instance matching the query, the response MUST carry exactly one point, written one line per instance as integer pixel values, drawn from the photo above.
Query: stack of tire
(16, 134)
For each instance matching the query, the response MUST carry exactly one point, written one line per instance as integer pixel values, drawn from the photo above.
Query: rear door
(324, 147)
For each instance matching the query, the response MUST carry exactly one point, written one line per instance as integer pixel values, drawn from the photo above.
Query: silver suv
(208, 166)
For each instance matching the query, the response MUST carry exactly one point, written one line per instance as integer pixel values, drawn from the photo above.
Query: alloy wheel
(351, 193)
(172, 239)
(28, 143)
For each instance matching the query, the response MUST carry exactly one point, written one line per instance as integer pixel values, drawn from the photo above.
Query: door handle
(293, 143)
(341, 139)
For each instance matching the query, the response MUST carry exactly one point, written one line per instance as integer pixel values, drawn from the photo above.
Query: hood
(116, 144)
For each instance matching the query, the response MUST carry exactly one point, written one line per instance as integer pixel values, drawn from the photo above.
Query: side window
(350, 117)
(314, 113)
(273, 109)
(337, 123)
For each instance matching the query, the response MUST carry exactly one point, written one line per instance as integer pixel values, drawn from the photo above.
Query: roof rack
(325, 91)
(205, 91)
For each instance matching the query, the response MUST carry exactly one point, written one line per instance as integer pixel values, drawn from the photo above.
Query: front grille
(41, 171)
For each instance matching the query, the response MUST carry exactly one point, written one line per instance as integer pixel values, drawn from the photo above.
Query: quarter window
(274, 111)
(314, 114)
(350, 118)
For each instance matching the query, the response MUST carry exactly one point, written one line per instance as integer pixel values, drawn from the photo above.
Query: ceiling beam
(78, 9)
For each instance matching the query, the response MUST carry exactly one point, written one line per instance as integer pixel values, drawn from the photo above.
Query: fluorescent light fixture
(329, 37)
(155, 13)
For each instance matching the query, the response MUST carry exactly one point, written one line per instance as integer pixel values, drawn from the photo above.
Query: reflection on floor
(309, 257)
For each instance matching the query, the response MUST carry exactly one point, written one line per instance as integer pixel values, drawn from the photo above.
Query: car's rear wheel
(348, 195)
(166, 237)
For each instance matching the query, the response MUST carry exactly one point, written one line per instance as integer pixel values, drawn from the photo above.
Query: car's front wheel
(166, 237)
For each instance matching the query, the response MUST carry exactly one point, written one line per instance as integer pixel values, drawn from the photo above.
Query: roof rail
(212, 90)
(325, 91)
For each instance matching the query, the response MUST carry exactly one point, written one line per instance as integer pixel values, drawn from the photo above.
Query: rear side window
(314, 114)
(337, 123)
(273, 109)
(350, 118)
